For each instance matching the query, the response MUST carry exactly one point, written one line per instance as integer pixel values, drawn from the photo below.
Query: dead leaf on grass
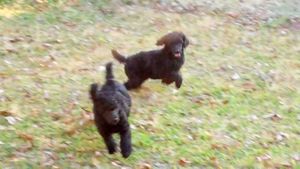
(5, 113)
(214, 161)
(265, 159)
(11, 120)
(296, 157)
(26, 137)
(235, 76)
(26, 147)
(281, 136)
(273, 117)
(183, 162)
(248, 86)
(145, 166)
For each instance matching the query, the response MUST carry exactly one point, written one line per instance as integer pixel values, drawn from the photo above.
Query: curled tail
(109, 71)
(118, 56)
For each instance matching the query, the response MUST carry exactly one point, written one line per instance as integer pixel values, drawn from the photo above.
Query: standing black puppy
(162, 64)
(111, 109)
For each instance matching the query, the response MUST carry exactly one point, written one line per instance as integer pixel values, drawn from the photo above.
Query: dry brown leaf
(273, 116)
(225, 101)
(6, 113)
(16, 39)
(214, 161)
(183, 162)
(26, 147)
(218, 146)
(71, 130)
(26, 137)
(233, 14)
(248, 86)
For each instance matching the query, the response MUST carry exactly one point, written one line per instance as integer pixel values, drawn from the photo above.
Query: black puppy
(111, 109)
(162, 64)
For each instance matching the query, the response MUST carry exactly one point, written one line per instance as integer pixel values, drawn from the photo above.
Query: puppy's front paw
(112, 150)
(178, 84)
(126, 153)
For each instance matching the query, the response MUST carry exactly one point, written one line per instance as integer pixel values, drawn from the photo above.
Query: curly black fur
(162, 64)
(111, 106)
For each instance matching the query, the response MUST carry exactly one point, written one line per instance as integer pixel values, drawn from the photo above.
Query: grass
(52, 53)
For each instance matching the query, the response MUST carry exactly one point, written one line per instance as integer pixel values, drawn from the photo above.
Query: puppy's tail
(93, 91)
(109, 71)
(118, 56)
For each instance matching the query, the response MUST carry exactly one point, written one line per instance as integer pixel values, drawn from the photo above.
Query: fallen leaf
(26, 147)
(265, 159)
(98, 153)
(49, 158)
(26, 137)
(248, 86)
(235, 76)
(225, 101)
(70, 131)
(11, 49)
(281, 136)
(296, 157)
(253, 118)
(216, 146)
(16, 39)
(1, 143)
(47, 45)
(46, 95)
(273, 116)
(183, 162)
(5, 113)
(233, 14)
(214, 161)
(115, 163)
(11, 120)
(145, 166)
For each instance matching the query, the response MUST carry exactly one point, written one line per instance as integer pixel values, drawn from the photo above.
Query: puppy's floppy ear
(186, 42)
(162, 40)
(93, 91)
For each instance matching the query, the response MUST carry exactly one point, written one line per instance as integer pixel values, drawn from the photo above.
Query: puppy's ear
(162, 40)
(186, 42)
(93, 91)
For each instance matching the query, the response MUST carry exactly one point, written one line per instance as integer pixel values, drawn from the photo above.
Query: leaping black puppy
(162, 64)
(111, 109)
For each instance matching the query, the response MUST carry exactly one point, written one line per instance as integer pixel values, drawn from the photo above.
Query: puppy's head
(105, 105)
(174, 42)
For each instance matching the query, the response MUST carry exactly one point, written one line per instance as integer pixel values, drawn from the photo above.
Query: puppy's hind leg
(110, 143)
(126, 143)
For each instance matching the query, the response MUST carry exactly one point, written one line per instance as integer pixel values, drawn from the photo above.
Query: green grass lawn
(239, 106)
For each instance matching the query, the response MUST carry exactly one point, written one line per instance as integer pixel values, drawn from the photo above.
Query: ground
(238, 106)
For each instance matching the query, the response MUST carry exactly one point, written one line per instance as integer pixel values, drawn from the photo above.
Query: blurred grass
(52, 51)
